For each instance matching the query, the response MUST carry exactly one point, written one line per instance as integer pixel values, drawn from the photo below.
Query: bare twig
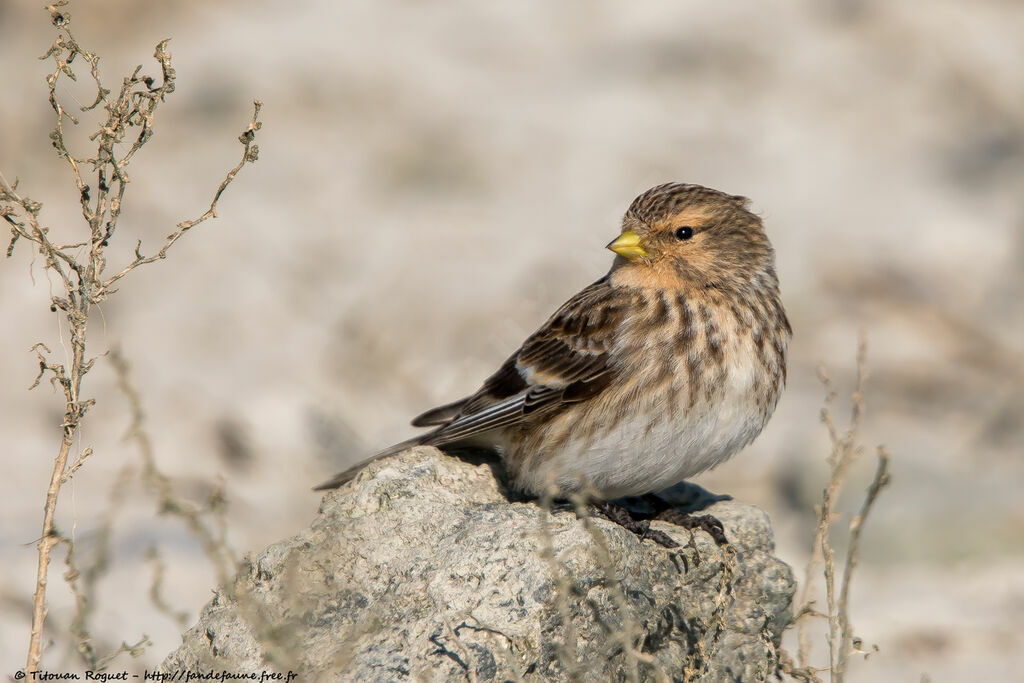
(101, 182)
(82, 457)
(844, 452)
(627, 637)
(563, 585)
(880, 480)
(83, 582)
(212, 539)
(212, 533)
(250, 153)
(787, 666)
(135, 650)
(156, 594)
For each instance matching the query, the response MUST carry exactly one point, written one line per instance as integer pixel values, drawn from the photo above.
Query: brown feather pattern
(692, 334)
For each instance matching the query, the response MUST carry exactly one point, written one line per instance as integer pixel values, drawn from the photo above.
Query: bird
(663, 368)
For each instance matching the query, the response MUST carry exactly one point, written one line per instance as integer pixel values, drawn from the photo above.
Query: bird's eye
(684, 233)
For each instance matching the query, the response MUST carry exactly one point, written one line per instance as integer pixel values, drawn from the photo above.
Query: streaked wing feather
(440, 415)
(505, 383)
(566, 361)
(498, 415)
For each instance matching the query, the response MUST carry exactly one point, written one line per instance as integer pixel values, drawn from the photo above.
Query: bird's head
(680, 236)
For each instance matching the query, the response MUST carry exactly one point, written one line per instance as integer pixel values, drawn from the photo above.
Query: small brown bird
(663, 368)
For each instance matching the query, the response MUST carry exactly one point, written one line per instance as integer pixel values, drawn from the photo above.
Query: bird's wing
(566, 361)
(441, 415)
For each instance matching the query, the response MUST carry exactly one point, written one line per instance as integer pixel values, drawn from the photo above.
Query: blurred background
(435, 180)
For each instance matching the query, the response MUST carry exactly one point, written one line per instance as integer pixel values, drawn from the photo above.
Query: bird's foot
(640, 527)
(706, 523)
(665, 512)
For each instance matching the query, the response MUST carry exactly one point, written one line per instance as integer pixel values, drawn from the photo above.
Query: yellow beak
(628, 244)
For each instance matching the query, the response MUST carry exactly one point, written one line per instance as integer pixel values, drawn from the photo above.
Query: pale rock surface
(425, 568)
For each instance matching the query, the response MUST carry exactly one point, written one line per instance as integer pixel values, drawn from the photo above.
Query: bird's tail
(347, 476)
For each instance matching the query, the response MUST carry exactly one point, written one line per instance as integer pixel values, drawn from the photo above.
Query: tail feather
(441, 415)
(347, 476)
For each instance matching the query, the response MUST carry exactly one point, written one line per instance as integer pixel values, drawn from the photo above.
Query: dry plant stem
(249, 155)
(128, 116)
(83, 582)
(789, 668)
(156, 595)
(278, 649)
(563, 587)
(845, 451)
(214, 544)
(717, 621)
(840, 458)
(807, 599)
(880, 480)
(626, 637)
(45, 546)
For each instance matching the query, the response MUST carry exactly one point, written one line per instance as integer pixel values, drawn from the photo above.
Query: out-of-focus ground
(434, 180)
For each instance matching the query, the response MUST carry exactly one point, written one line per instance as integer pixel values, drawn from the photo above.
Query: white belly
(644, 454)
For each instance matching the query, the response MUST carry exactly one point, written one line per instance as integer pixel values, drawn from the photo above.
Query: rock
(421, 568)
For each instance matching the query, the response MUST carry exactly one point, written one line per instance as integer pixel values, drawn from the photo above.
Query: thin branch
(85, 454)
(845, 450)
(168, 502)
(156, 594)
(212, 536)
(563, 584)
(880, 481)
(128, 117)
(628, 635)
(250, 154)
(83, 582)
